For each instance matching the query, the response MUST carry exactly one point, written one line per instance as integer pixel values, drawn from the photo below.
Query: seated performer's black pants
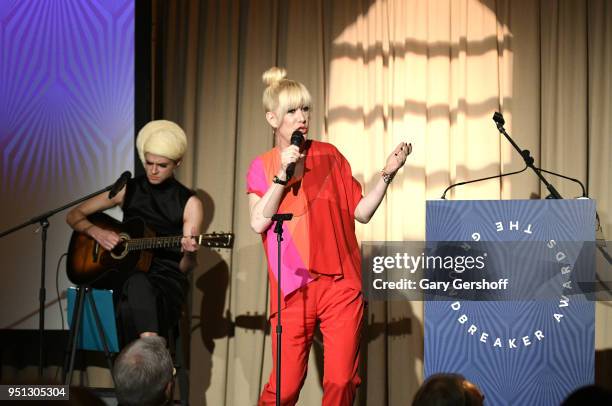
(149, 301)
(138, 308)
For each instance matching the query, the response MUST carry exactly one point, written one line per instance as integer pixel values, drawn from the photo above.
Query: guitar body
(89, 263)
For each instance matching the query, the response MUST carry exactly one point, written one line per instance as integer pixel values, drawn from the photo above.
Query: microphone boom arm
(499, 122)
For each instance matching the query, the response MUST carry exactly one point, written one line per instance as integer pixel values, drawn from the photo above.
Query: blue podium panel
(517, 352)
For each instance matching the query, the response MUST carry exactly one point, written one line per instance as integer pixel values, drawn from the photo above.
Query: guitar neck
(209, 240)
(156, 242)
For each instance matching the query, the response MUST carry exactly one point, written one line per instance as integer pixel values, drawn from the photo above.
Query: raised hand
(397, 158)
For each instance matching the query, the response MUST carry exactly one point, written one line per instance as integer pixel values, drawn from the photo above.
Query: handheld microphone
(499, 119)
(119, 184)
(297, 139)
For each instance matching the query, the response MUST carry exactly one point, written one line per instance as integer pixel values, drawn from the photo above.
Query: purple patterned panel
(66, 130)
(66, 95)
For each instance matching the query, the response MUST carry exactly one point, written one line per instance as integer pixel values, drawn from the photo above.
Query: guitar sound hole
(121, 249)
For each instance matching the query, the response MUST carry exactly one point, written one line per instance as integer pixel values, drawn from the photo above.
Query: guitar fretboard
(153, 242)
(208, 240)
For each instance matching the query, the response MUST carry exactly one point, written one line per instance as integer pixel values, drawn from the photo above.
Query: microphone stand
(529, 163)
(278, 229)
(499, 121)
(297, 139)
(43, 221)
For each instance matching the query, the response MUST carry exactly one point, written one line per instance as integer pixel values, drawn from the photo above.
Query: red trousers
(339, 310)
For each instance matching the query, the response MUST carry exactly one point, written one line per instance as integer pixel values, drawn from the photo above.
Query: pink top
(320, 239)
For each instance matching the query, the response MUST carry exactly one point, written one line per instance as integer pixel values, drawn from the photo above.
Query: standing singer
(321, 263)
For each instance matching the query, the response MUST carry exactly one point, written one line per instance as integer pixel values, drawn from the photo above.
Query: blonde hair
(281, 94)
(161, 137)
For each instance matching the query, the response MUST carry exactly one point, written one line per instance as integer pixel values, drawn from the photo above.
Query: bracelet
(387, 177)
(278, 180)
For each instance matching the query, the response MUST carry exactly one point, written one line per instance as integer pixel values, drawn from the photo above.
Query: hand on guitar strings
(106, 238)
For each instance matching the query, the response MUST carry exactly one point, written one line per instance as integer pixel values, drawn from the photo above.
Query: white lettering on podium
(537, 335)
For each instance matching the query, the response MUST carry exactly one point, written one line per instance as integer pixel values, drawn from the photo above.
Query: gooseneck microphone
(297, 139)
(467, 182)
(119, 184)
(584, 193)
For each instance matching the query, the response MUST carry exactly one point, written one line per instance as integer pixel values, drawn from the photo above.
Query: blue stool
(92, 327)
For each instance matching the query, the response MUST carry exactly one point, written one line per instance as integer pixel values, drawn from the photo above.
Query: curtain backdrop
(380, 72)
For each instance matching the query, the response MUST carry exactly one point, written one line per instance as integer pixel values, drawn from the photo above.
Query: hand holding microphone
(292, 154)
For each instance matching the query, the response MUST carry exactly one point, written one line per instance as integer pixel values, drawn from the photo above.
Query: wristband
(278, 180)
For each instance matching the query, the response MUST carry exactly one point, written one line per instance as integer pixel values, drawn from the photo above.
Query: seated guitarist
(149, 303)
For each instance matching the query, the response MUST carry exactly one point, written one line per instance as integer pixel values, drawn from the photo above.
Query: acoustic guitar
(89, 263)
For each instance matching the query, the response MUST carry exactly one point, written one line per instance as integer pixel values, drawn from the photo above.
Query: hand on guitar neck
(188, 243)
(189, 248)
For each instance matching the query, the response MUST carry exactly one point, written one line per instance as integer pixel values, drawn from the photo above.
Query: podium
(519, 352)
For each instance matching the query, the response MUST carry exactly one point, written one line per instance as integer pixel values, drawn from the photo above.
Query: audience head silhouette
(448, 390)
(144, 373)
(589, 395)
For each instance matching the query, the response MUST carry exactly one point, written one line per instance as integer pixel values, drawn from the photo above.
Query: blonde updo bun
(273, 75)
(282, 94)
